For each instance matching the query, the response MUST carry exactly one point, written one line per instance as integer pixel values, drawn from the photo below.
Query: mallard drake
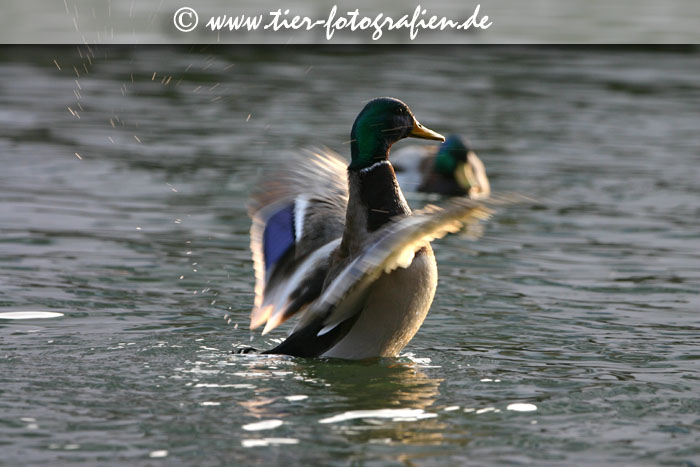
(452, 169)
(339, 246)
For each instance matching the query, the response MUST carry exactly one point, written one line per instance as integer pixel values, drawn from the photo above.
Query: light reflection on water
(582, 305)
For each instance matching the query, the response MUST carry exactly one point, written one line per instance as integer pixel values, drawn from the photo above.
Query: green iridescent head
(381, 123)
(451, 153)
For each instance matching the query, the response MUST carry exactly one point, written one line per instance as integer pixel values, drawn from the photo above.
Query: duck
(337, 245)
(451, 169)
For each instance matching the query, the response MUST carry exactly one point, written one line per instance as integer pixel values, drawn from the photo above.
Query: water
(583, 304)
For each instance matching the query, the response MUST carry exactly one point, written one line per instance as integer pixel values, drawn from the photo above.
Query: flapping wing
(391, 247)
(298, 217)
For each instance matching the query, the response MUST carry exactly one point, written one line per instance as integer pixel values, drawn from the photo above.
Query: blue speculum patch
(278, 235)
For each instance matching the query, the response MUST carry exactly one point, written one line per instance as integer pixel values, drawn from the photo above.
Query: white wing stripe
(300, 205)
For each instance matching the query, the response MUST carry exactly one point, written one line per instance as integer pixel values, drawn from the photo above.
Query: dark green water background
(584, 303)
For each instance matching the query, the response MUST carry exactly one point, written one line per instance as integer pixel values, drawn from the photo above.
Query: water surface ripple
(567, 334)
